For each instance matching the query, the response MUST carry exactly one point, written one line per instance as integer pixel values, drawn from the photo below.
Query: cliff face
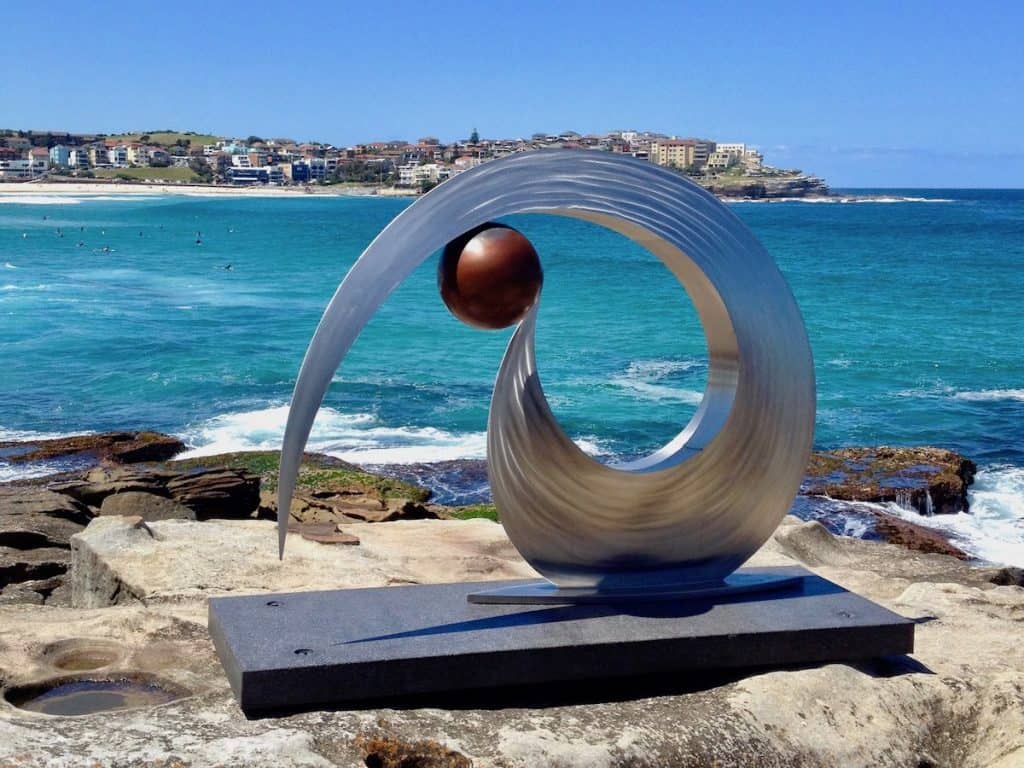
(767, 187)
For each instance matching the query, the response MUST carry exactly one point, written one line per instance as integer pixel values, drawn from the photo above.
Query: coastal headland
(107, 568)
(187, 159)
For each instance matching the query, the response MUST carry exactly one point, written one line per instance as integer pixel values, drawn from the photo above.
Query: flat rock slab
(315, 649)
(115, 561)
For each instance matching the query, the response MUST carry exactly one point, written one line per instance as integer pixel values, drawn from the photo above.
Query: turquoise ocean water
(112, 316)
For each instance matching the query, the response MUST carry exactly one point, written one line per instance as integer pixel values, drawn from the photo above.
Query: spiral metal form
(688, 514)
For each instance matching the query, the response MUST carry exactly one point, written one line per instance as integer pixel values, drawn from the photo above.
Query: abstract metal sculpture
(678, 522)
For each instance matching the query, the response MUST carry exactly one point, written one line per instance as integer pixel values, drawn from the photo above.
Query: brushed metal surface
(745, 581)
(691, 512)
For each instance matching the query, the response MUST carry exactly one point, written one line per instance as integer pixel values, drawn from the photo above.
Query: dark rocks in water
(928, 480)
(1008, 577)
(117, 447)
(915, 537)
(457, 482)
(148, 506)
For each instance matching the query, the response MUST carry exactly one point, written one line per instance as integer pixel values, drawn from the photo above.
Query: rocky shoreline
(106, 568)
(135, 474)
(767, 187)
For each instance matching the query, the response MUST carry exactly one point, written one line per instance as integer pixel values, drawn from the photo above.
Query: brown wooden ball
(490, 276)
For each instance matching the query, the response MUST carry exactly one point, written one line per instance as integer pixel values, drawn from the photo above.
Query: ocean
(190, 315)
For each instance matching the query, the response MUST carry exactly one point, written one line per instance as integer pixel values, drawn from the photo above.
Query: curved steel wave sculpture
(683, 518)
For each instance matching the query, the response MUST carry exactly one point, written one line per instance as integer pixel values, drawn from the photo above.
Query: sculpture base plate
(546, 593)
(426, 645)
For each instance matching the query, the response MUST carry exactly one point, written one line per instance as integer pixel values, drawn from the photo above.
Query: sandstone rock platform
(957, 701)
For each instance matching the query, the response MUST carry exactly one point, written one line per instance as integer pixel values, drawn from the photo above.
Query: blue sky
(865, 93)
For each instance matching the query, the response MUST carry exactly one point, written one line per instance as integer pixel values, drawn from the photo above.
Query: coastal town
(732, 169)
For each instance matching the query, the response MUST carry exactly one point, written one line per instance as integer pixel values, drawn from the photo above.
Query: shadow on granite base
(317, 650)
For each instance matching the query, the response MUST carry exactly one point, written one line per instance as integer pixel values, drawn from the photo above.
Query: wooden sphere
(490, 276)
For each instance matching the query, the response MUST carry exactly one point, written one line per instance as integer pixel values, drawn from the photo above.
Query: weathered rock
(915, 537)
(39, 519)
(116, 563)
(17, 565)
(222, 493)
(36, 527)
(99, 483)
(384, 752)
(147, 506)
(120, 447)
(323, 533)
(27, 501)
(957, 702)
(52, 591)
(334, 537)
(929, 480)
(345, 508)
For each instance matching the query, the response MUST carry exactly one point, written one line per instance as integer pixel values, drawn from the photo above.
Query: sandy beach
(27, 190)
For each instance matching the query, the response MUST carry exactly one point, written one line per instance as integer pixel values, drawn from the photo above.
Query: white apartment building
(719, 161)
(411, 175)
(78, 158)
(118, 156)
(732, 149)
(15, 170)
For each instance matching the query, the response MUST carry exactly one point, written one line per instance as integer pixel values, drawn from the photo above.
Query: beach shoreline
(98, 187)
(26, 191)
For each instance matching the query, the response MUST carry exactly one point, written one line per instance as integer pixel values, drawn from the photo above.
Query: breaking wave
(359, 438)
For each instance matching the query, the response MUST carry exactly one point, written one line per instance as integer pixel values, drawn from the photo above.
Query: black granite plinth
(307, 650)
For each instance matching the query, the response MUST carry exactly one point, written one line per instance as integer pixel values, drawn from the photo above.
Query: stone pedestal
(321, 649)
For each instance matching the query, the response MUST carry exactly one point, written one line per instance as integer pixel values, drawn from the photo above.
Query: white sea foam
(855, 527)
(10, 472)
(30, 199)
(25, 435)
(927, 391)
(12, 287)
(660, 392)
(991, 394)
(22, 471)
(39, 198)
(8, 265)
(994, 528)
(841, 200)
(644, 378)
(359, 438)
